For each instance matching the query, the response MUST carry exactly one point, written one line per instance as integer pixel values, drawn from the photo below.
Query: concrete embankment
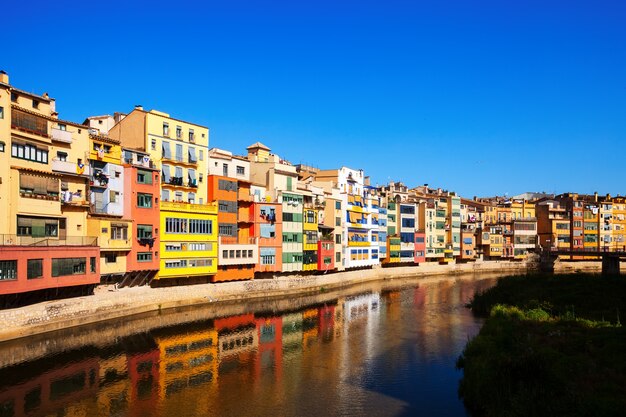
(109, 304)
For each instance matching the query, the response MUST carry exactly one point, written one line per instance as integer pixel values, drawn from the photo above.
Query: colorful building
(44, 241)
(268, 229)
(228, 185)
(141, 207)
(188, 239)
(280, 178)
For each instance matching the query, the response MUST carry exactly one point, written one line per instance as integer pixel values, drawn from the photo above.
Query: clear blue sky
(481, 97)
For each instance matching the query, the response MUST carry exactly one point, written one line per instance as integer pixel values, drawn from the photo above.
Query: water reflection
(385, 352)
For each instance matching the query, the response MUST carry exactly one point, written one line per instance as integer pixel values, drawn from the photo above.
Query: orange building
(229, 187)
(142, 185)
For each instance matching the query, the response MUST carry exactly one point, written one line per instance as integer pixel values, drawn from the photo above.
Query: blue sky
(481, 97)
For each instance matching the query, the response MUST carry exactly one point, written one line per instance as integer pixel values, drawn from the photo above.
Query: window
(144, 256)
(289, 183)
(225, 170)
(92, 264)
(62, 127)
(191, 198)
(337, 221)
(144, 177)
(113, 196)
(338, 257)
(119, 232)
(144, 200)
(179, 153)
(200, 177)
(8, 270)
(35, 104)
(165, 195)
(1, 146)
(1, 112)
(110, 258)
(29, 152)
(241, 170)
(144, 231)
(179, 132)
(153, 144)
(166, 129)
(201, 153)
(37, 226)
(62, 156)
(338, 239)
(191, 136)
(68, 266)
(337, 205)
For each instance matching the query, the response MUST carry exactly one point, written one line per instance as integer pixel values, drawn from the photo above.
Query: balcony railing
(70, 167)
(61, 135)
(15, 240)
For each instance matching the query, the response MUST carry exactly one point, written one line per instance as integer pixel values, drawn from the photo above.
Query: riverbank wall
(109, 303)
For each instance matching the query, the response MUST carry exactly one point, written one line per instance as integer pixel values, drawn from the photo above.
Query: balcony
(15, 240)
(61, 135)
(188, 207)
(141, 161)
(29, 123)
(69, 167)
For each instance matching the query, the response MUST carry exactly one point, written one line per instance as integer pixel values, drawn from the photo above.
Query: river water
(385, 349)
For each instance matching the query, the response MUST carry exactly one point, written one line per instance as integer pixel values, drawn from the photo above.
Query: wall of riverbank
(109, 304)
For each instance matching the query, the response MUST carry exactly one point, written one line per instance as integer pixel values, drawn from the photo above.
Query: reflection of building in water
(269, 356)
(292, 331)
(236, 335)
(393, 304)
(52, 391)
(143, 373)
(309, 327)
(186, 360)
(112, 396)
(326, 322)
(361, 305)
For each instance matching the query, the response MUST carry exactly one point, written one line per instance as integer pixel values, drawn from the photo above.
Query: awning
(323, 227)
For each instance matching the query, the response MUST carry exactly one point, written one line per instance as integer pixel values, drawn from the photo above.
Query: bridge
(610, 258)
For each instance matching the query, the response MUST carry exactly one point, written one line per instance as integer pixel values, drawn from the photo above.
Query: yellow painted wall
(187, 211)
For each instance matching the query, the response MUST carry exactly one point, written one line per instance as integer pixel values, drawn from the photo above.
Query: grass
(551, 345)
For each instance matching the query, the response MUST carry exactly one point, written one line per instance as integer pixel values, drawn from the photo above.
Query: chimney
(4, 77)
(595, 196)
(138, 107)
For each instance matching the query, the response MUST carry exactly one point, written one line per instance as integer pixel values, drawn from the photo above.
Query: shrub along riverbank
(552, 345)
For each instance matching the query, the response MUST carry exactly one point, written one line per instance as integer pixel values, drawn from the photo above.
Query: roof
(258, 145)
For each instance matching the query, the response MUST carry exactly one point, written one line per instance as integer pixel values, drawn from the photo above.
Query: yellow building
(310, 238)
(618, 237)
(188, 240)
(186, 360)
(188, 245)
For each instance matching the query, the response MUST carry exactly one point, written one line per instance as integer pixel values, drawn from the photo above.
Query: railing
(181, 206)
(15, 240)
(70, 167)
(61, 135)
(231, 240)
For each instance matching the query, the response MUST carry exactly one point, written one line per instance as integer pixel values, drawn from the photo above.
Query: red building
(72, 265)
(325, 255)
(420, 247)
(141, 180)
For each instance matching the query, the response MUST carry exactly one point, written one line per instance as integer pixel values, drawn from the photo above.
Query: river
(385, 349)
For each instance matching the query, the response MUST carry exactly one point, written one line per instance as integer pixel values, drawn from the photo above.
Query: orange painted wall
(215, 195)
(144, 216)
(23, 253)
